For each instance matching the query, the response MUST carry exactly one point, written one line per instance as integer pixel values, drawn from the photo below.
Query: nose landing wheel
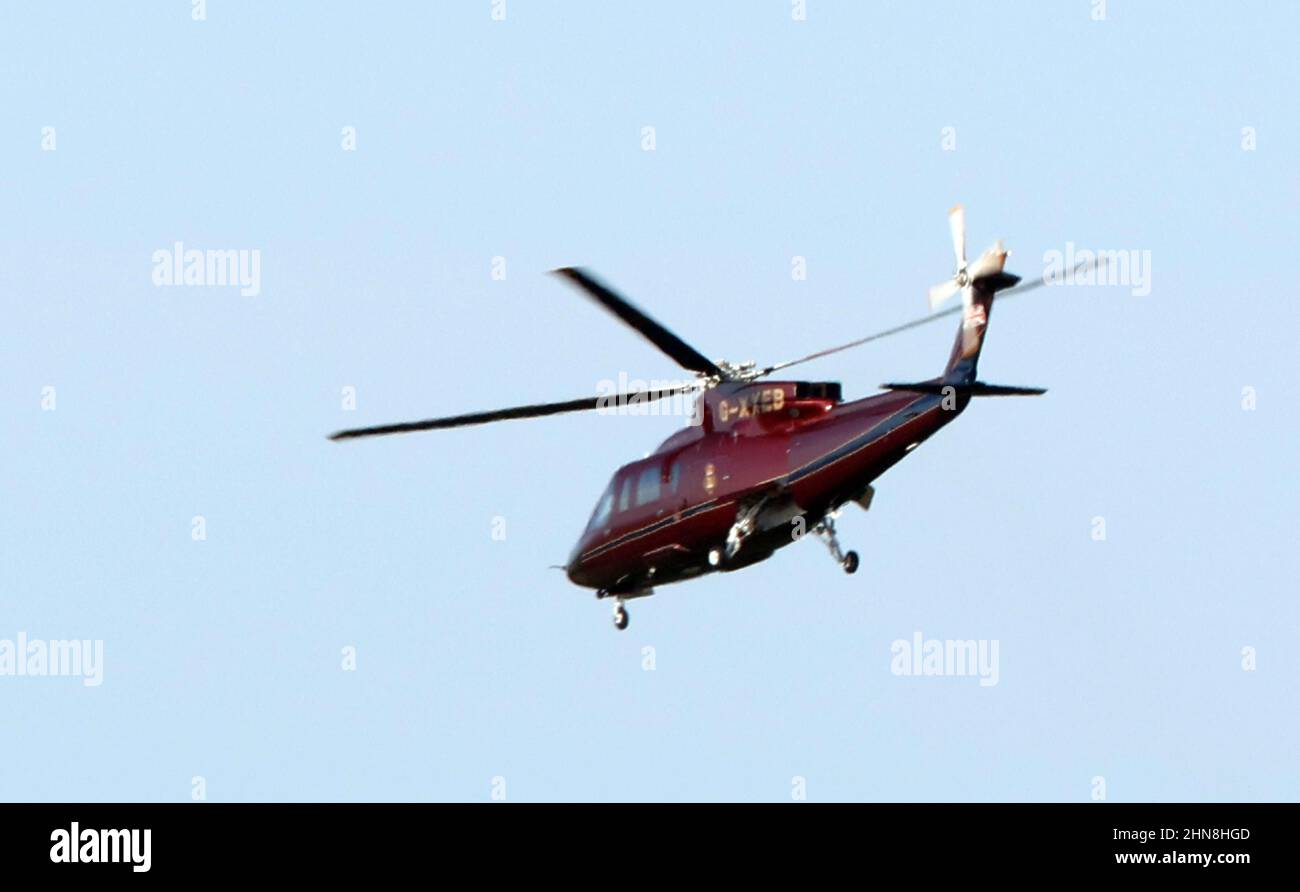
(620, 596)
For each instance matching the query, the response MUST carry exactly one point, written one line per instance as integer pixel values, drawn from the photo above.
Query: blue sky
(522, 139)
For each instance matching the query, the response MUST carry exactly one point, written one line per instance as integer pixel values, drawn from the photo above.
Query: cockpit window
(600, 516)
(647, 485)
(675, 475)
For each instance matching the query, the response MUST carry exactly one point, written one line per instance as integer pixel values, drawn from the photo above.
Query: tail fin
(959, 375)
(977, 305)
(977, 283)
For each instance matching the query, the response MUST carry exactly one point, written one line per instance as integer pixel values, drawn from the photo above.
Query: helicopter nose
(574, 569)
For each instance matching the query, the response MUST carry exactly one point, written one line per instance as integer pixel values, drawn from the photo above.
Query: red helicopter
(762, 462)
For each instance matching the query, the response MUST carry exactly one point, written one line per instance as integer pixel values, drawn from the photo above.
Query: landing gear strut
(825, 531)
(742, 529)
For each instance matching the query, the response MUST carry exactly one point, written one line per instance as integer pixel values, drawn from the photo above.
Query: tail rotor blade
(957, 226)
(941, 292)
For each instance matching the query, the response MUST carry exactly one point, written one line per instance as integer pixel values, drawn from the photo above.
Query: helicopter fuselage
(782, 454)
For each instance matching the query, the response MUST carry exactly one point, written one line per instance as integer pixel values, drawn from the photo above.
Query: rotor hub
(737, 371)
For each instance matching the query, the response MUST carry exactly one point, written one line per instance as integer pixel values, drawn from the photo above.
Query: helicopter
(763, 462)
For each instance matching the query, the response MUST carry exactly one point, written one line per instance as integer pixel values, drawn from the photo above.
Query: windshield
(600, 516)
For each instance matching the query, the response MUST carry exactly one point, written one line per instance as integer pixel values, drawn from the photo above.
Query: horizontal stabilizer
(979, 388)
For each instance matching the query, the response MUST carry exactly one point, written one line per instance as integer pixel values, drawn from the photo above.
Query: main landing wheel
(851, 562)
(620, 617)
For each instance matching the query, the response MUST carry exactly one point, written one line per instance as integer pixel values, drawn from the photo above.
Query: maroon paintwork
(792, 445)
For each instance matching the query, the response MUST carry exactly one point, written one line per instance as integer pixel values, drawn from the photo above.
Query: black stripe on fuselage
(862, 441)
(654, 527)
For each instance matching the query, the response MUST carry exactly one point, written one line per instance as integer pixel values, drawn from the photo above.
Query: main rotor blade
(534, 411)
(897, 329)
(685, 355)
(1022, 288)
(1083, 266)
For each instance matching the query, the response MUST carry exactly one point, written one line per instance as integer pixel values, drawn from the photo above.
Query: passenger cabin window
(675, 475)
(647, 486)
